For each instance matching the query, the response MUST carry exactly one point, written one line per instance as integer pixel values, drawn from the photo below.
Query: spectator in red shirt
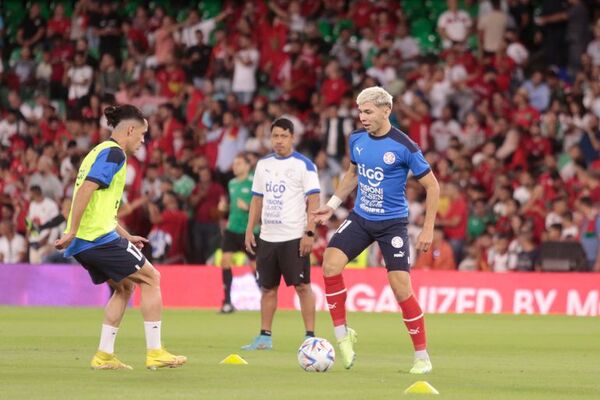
(454, 221)
(334, 86)
(440, 257)
(59, 24)
(205, 225)
(169, 230)
(525, 114)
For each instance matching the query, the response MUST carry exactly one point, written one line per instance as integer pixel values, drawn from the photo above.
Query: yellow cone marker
(234, 359)
(421, 387)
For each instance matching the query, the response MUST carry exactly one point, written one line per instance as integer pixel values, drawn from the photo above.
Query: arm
(306, 243)
(80, 202)
(155, 215)
(346, 186)
(253, 219)
(138, 241)
(432, 188)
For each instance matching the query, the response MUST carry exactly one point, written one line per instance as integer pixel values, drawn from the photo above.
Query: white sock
(107, 338)
(340, 331)
(152, 335)
(421, 355)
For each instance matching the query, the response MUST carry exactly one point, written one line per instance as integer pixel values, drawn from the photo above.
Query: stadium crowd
(503, 97)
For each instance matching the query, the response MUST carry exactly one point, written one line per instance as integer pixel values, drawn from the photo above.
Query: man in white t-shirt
(41, 210)
(244, 70)
(79, 77)
(13, 246)
(454, 25)
(285, 191)
(193, 23)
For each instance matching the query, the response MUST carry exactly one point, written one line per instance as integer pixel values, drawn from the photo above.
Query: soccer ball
(316, 355)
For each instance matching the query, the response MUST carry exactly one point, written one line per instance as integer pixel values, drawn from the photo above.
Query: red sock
(335, 292)
(415, 322)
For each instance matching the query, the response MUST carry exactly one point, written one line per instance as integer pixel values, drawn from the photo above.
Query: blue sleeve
(351, 149)
(107, 164)
(417, 164)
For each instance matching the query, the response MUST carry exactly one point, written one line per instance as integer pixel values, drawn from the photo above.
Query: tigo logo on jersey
(374, 176)
(276, 188)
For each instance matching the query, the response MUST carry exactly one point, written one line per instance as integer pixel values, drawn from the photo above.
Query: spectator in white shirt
(454, 25)
(13, 246)
(491, 27)
(382, 71)
(445, 129)
(41, 210)
(79, 78)
(244, 70)
(593, 48)
(194, 23)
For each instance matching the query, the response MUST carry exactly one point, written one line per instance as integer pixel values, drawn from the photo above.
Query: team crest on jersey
(389, 158)
(289, 173)
(397, 242)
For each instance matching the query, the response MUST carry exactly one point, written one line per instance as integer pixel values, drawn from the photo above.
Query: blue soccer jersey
(382, 164)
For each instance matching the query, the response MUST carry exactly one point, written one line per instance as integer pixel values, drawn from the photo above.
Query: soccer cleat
(102, 360)
(346, 346)
(421, 366)
(261, 342)
(160, 358)
(227, 308)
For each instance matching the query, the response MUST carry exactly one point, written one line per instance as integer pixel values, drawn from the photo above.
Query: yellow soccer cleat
(104, 360)
(161, 358)
(346, 346)
(421, 366)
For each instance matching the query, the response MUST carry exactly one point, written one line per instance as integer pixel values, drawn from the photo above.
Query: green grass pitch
(45, 354)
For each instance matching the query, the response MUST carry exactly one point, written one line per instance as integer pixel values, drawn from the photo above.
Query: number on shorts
(343, 226)
(134, 251)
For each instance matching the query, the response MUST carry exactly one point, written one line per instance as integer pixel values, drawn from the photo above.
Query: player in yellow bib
(105, 249)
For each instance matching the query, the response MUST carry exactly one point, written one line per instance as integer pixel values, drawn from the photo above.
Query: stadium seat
(414, 9)
(209, 8)
(326, 30)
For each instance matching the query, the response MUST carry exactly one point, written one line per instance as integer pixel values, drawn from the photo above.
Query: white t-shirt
(244, 76)
(284, 184)
(188, 34)
(442, 133)
(10, 249)
(40, 213)
(456, 25)
(81, 80)
(593, 50)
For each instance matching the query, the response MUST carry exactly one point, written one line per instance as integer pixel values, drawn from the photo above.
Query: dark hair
(35, 189)
(116, 114)
(284, 124)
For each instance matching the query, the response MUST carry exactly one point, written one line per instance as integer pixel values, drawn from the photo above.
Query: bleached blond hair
(376, 95)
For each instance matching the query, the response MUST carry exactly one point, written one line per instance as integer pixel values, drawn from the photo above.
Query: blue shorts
(114, 260)
(357, 233)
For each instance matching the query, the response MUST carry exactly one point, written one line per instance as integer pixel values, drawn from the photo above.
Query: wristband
(334, 202)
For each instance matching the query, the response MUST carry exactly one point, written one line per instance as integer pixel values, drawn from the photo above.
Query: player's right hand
(322, 215)
(64, 241)
(250, 242)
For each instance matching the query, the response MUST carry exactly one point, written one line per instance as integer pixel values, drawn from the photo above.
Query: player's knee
(156, 277)
(331, 268)
(303, 289)
(334, 262)
(402, 292)
(269, 292)
(128, 289)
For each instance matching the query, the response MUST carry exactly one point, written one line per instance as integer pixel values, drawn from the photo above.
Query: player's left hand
(306, 244)
(138, 241)
(424, 240)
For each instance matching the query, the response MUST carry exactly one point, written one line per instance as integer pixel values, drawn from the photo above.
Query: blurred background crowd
(502, 96)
